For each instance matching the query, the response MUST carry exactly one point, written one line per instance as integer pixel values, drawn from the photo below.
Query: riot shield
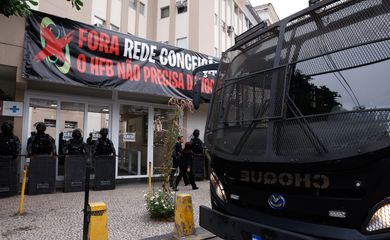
(104, 172)
(74, 175)
(41, 174)
(199, 166)
(8, 176)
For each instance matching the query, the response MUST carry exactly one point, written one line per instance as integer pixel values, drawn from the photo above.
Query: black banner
(63, 51)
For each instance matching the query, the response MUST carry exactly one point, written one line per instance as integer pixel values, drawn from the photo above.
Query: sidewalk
(59, 216)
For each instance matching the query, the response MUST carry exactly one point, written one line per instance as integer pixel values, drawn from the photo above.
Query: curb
(200, 234)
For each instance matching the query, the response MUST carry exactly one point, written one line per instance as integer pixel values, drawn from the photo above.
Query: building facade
(204, 26)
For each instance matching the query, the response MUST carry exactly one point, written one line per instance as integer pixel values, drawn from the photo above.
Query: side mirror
(197, 88)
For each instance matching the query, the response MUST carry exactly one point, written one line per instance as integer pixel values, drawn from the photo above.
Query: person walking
(186, 162)
(176, 155)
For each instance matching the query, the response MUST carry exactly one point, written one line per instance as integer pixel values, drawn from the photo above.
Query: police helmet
(41, 126)
(104, 132)
(76, 134)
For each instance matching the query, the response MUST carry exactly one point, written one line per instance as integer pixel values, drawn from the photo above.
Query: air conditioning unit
(230, 29)
(181, 3)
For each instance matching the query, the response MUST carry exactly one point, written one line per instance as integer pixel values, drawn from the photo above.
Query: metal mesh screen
(339, 26)
(249, 98)
(348, 58)
(332, 133)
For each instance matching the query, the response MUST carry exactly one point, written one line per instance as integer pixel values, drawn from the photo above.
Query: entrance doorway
(133, 140)
(62, 116)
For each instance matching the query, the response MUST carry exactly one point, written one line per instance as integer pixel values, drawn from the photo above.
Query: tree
(161, 203)
(22, 7)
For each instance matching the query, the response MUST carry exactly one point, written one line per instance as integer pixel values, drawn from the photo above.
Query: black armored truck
(299, 127)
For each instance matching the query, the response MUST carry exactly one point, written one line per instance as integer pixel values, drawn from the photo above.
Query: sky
(283, 8)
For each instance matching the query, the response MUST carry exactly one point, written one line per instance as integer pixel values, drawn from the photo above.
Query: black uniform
(197, 146)
(75, 147)
(104, 147)
(41, 144)
(9, 145)
(176, 158)
(200, 165)
(186, 168)
(196, 143)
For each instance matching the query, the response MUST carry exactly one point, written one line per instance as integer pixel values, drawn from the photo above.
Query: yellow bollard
(97, 227)
(20, 211)
(184, 216)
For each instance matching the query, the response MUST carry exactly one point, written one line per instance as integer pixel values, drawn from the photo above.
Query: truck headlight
(380, 220)
(218, 187)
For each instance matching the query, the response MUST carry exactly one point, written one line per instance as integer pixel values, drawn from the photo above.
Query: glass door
(162, 118)
(133, 140)
(43, 110)
(98, 117)
(72, 117)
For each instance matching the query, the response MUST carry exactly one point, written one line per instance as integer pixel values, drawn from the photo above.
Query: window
(165, 12)
(113, 27)
(71, 124)
(181, 9)
(50, 123)
(142, 8)
(247, 23)
(181, 42)
(363, 87)
(98, 22)
(132, 4)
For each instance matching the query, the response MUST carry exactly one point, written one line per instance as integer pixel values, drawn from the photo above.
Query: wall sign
(10, 108)
(129, 137)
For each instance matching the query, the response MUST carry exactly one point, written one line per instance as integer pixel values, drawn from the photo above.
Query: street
(59, 215)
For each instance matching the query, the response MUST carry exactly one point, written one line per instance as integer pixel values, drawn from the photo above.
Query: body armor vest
(104, 147)
(8, 145)
(41, 144)
(76, 147)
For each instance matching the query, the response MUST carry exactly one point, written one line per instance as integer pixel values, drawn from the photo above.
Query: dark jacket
(186, 159)
(197, 145)
(177, 149)
(75, 147)
(9, 145)
(104, 147)
(41, 144)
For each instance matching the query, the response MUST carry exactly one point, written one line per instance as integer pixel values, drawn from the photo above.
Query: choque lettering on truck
(299, 128)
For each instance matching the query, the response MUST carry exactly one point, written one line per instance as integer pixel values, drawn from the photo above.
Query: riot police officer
(200, 166)
(196, 143)
(104, 146)
(40, 142)
(9, 143)
(76, 145)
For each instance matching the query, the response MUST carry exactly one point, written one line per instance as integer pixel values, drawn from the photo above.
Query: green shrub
(161, 204)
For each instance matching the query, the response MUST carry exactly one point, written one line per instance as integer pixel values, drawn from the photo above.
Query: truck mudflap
(229, 227)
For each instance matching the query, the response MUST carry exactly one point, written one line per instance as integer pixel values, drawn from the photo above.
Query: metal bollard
(97, 229)
(20, 211)
(184, 216)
